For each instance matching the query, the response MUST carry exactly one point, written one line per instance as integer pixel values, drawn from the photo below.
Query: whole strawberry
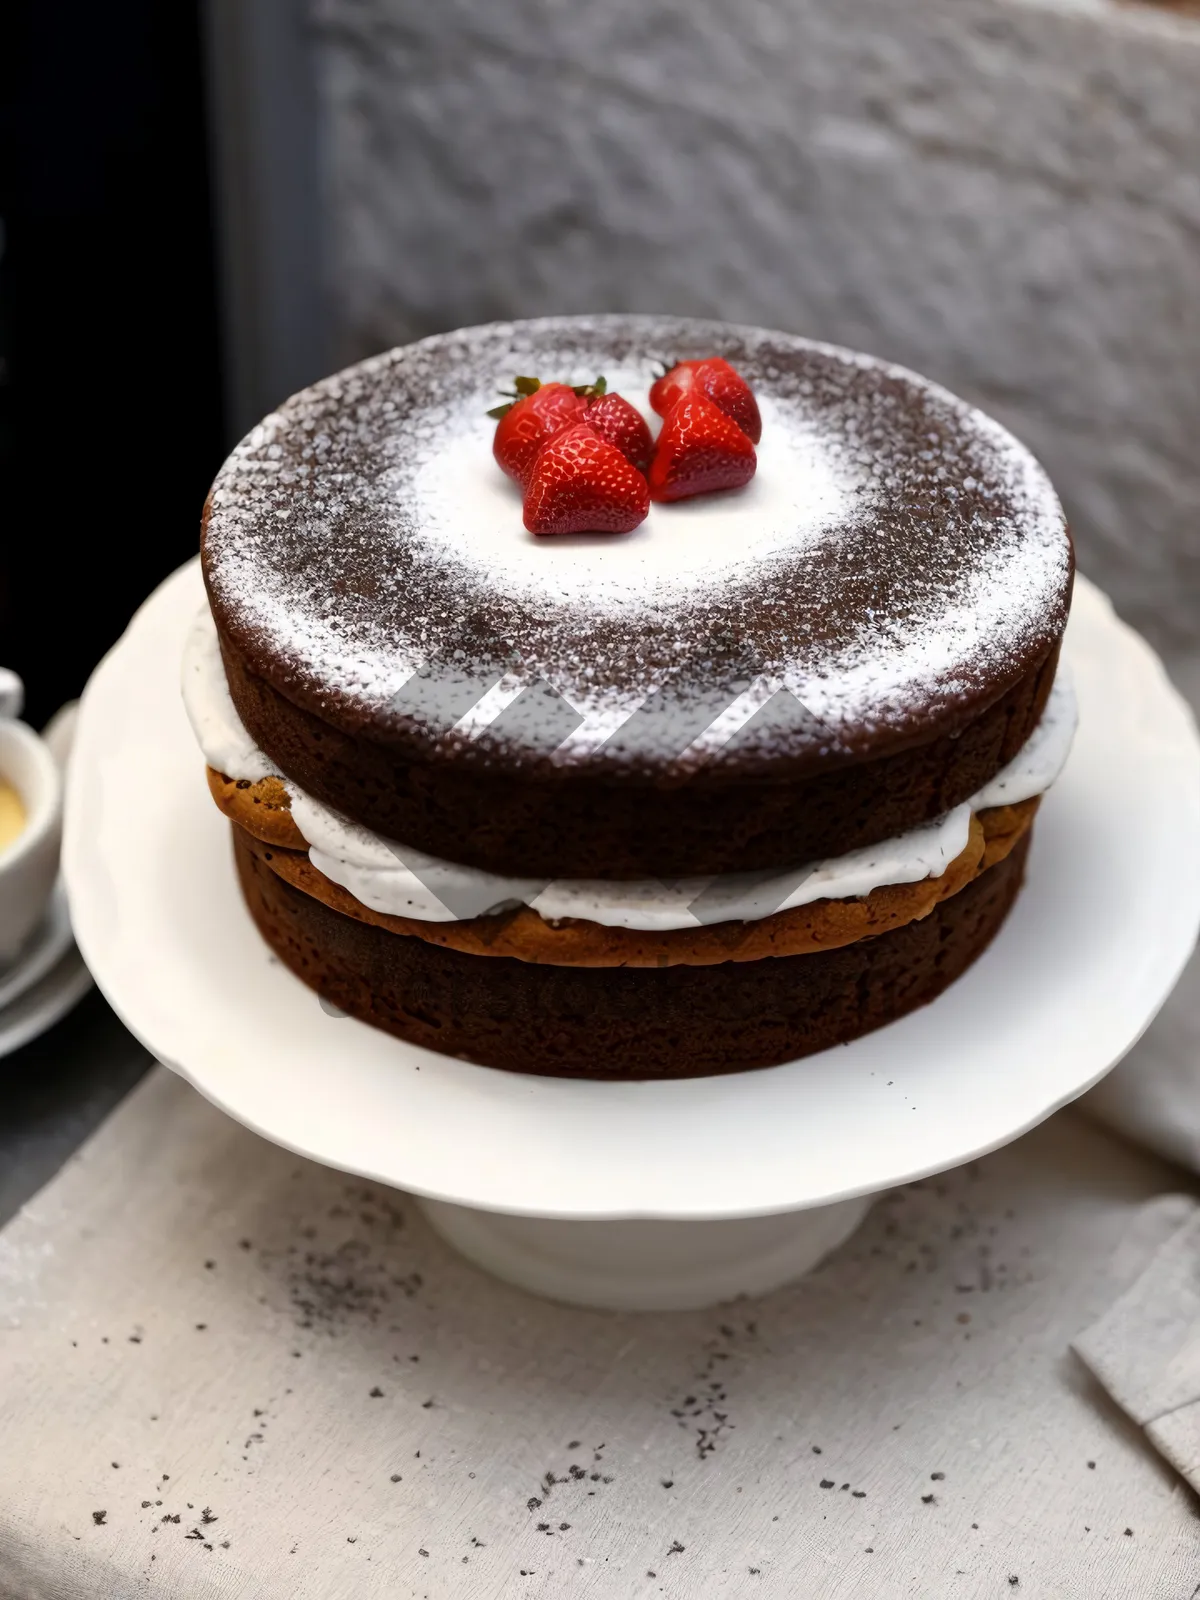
(536, 413)
(719, 382)
(583, 484)
(614, 419)
(699, 449)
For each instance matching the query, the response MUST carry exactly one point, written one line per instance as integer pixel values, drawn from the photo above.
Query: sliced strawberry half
(713, 377)
(583, 484)
(699, 450)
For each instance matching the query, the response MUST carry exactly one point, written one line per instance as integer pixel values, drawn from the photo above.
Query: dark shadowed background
(111, 397)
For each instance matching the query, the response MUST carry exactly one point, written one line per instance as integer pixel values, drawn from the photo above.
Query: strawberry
(699, 449)
(716, 379)
(583, 484)
(534, 415)
(614, 419)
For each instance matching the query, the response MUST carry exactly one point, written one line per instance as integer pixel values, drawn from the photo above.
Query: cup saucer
(41, 1005)
(48, 943)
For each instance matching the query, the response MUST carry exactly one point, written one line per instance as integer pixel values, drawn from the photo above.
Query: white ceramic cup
(12, 694)
(29, 866)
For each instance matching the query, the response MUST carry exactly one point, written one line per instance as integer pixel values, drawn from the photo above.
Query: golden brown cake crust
(523, 935)
(261, 808)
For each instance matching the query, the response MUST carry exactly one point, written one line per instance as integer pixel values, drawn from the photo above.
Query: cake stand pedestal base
(645, 1264)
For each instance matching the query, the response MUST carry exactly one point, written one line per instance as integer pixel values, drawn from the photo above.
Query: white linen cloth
(225, 1371)
(1145, 1349)
(1153, 1096)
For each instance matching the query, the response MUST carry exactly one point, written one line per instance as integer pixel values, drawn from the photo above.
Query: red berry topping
(537, 413)
(699, 449)
(614, 419)
(583, 484)
(671, 385)
(721, 383)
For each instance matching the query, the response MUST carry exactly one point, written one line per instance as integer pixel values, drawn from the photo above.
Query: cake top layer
(897, 563)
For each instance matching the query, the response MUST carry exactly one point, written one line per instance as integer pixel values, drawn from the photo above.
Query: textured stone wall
(1004, 195)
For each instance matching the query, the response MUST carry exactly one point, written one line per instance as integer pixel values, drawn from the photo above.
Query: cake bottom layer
(624, 1022)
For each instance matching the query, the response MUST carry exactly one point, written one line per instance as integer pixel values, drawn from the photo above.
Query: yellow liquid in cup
(12, 814)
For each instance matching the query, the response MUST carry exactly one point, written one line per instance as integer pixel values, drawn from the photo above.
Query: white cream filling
(401, 881)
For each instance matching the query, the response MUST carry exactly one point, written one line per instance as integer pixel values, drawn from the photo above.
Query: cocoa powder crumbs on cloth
(349, 1277)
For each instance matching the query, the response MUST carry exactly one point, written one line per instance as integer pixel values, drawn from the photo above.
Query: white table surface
(935, 1343)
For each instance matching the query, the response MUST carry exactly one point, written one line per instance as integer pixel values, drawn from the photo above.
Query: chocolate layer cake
(504, 795)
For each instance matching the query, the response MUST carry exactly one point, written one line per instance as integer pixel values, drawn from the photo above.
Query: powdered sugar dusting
(897, 555)
(678, 552)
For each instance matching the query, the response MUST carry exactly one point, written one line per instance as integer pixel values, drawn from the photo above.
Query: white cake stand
(642, 1195)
